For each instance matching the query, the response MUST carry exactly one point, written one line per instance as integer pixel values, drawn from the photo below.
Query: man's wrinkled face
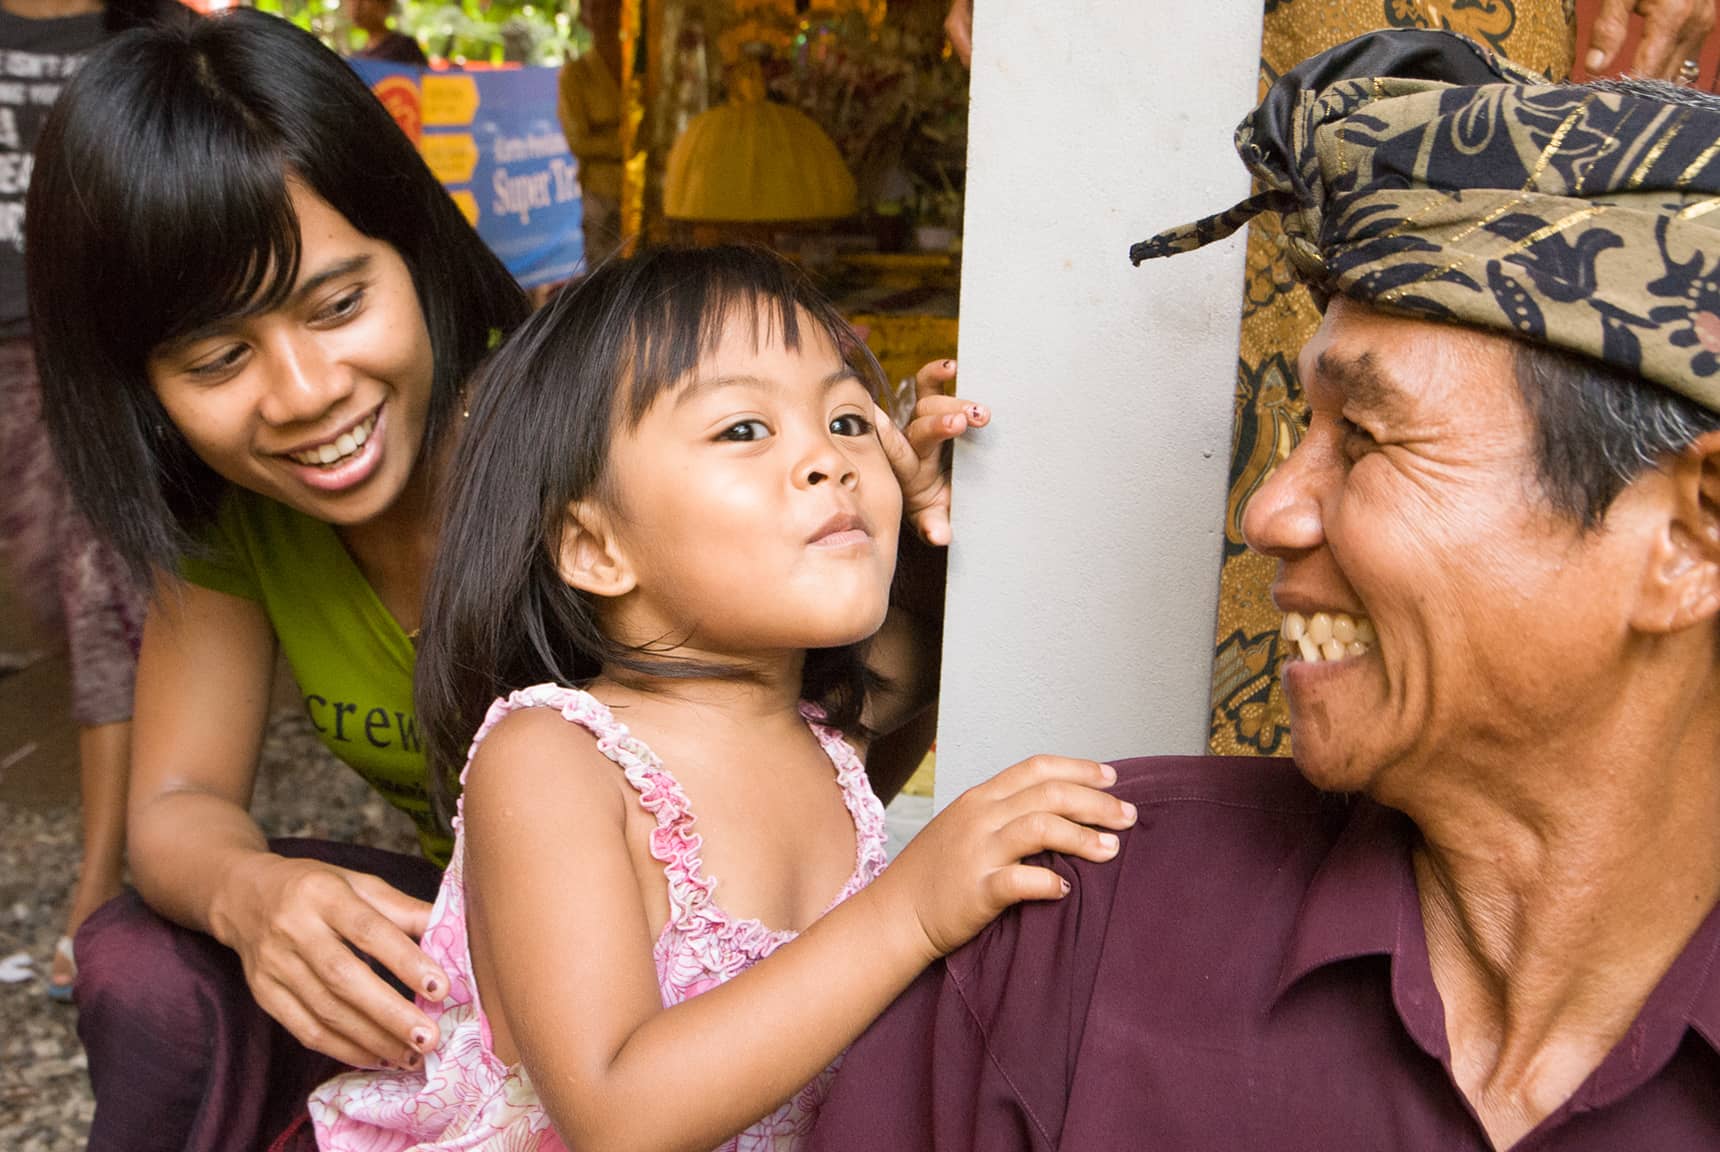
(1440, 610)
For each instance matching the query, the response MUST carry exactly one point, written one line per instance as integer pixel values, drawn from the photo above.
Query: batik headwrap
(1571, 215)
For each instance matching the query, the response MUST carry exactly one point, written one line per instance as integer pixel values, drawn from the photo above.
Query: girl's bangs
(673, 330)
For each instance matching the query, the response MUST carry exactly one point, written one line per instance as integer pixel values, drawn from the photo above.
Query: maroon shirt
(1250, 972)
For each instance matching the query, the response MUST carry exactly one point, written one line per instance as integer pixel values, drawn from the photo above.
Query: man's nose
(1283, 516)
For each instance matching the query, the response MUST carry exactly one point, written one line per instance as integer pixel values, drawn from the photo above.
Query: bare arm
(958, 25)
(564, 951)
(574, 111)
(203, 684)
(906, 652)
(905, 658)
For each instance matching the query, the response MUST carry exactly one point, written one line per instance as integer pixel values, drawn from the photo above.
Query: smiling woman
(320, 402)
(258, 314)
(255, 318)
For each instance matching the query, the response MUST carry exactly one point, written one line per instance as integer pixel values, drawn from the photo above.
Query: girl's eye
(852, 424)
(218, 365)
(343, 307)
(744, 431)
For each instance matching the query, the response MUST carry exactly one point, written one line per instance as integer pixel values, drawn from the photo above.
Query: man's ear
(1682, 584)
(591, 559)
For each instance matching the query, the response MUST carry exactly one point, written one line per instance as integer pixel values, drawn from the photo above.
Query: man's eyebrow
(1362, 382)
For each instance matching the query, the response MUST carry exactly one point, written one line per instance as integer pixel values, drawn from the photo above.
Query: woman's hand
(296, 923)
(964, 868)
(1672, 32)
(917, 452)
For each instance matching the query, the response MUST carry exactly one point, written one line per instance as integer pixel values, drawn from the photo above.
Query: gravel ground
(45, 1103)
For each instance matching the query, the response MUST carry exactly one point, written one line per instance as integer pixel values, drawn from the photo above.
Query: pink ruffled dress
(466, 1099)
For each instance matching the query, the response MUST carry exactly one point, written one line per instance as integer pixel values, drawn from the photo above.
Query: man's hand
(917, 453)
(1673, 31)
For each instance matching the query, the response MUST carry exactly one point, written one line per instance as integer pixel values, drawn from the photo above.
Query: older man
(1479, 910)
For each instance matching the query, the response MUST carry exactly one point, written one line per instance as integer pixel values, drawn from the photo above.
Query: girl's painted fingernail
(420, 1038)
(413, 1060)
(975, 412)
(432, 986)
(1065, 884)
(949, 365)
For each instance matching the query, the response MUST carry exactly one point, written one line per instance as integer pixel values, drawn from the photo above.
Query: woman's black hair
(159, 204)
(124, 15)
(498, 616)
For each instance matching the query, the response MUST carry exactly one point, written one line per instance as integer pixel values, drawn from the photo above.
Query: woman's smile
(345, 460)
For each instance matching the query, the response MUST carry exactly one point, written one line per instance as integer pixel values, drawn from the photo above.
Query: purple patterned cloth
(67, 576)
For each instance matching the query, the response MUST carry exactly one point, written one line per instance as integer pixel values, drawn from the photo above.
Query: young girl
(676, 495)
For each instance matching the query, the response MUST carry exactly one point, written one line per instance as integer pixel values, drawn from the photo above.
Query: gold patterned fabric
(1279, 316)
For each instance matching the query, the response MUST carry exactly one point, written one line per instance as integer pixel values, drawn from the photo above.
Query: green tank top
(352, 660)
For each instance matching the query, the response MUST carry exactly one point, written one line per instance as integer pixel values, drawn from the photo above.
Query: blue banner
(493, 140)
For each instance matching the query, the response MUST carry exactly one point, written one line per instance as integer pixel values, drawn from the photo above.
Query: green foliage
(460, 31)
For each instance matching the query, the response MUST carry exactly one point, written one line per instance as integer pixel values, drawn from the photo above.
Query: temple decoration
(750, 161)
(633, 147)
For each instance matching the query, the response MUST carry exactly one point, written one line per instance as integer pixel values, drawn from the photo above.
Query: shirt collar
(1363, 902)
(1354, 903)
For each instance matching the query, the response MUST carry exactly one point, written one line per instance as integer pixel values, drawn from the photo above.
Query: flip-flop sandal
(62, 993)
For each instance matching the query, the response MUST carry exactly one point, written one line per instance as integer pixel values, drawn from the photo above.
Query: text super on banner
(493, 140)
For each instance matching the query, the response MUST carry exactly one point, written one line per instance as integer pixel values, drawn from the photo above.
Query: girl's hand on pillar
(917, 452)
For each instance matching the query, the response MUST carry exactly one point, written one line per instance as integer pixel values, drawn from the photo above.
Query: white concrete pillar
(1084, 573)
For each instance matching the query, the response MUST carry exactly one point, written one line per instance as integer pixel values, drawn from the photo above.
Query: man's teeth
(339, 448)
(1328, 635)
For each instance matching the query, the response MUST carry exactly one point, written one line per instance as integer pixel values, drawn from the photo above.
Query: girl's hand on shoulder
(964, 867)
(917, 452)
(296, 924)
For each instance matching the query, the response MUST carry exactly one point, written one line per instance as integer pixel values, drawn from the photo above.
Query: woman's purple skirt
(181, 1057)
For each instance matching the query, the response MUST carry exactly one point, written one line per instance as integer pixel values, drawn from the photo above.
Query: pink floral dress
(466, 1099)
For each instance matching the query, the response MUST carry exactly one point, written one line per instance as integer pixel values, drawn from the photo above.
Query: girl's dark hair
(159, 204)
(498, 616)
